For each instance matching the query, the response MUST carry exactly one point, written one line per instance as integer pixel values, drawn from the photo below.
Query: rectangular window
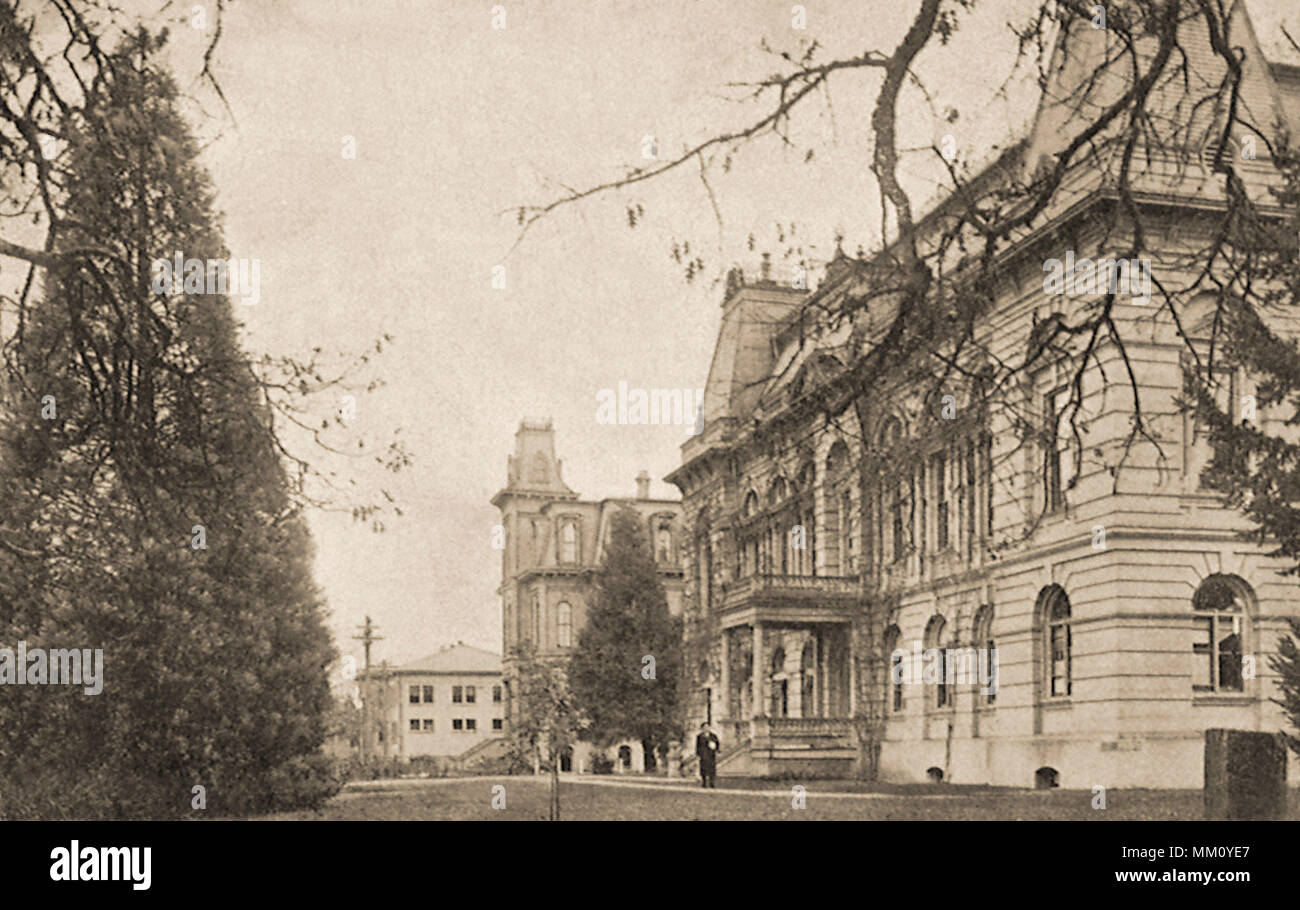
(1058, 466)
(971, 497)
(939, 473)
(457, 695)
(457, 724)
(1203, 654)
(1216, 653)
(415, 725)
(496, 723)
(415, 695)
(469, 695)
(896, 674)
(1230, 654)
(923, 483)
(1226, 395)
(846, 533)
(1060, 642)
(471, 725)
(991, 695)
(568, 541)
(896, 509)
(986, 461)
(428, 694)
(941, 696)
(496, 695)
(428, 725)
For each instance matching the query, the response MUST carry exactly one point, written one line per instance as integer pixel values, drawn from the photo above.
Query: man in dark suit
(706, 748)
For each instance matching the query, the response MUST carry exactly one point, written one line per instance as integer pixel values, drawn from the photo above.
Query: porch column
(853, 670)
(759, 675)
(724, 678)
(823, 676)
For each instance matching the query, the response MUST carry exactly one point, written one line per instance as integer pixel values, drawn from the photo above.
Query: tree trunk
(555, 787)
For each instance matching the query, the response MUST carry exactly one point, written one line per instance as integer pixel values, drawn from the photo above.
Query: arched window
(837, 460)
(1222, 605)
(846, 531)
(569, 541)
(778, 661)
(806, 476)
(983, 639)
(808, 680)
(564, 624)
(896, 668)
(779, 690)
(778, 492)
(1054, 622)
(837, 518)
(936, 659)
(898, 492)
(664, 543)
(802, 554)
(751, 505)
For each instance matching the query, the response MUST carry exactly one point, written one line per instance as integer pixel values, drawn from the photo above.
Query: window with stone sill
(1219, 626)
(1057, 642)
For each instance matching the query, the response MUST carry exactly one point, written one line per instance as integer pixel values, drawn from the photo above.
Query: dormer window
(568, 540)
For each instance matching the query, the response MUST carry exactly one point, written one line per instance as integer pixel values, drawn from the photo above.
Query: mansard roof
(752, 369)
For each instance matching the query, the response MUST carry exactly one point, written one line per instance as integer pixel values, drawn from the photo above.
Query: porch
(784, 697)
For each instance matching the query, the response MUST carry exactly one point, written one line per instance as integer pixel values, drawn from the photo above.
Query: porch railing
(810, 726)
(787, 728)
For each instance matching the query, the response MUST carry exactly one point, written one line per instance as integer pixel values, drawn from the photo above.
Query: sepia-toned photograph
(649, 410)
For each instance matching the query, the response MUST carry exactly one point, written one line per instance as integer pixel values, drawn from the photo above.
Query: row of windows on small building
(1221, 606)
(459, 694)
(458, 724)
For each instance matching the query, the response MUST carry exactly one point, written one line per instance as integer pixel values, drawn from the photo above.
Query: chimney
(643, 485)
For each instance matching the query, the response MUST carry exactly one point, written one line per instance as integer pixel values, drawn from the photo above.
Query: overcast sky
(454, 122)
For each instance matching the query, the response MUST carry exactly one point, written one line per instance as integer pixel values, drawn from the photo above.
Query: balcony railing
(772, 586)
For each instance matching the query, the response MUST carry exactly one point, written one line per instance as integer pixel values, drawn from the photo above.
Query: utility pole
(367, 638)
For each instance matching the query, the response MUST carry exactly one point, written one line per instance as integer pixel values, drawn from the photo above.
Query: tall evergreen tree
(146, 510)
(624, 673)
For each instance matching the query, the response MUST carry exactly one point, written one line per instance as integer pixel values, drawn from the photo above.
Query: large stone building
(553, 543)
(1127, 612)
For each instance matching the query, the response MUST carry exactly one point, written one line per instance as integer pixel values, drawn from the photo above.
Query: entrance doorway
(780, 698)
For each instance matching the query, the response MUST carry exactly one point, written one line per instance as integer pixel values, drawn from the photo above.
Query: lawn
(604, 799)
